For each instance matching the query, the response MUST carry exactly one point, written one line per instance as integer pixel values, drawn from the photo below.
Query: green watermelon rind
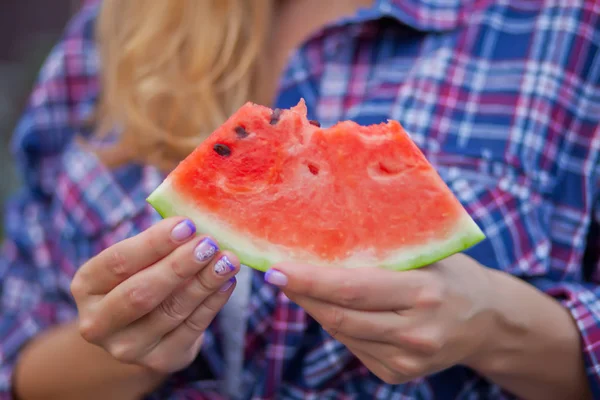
(166, 209)
(168, 203)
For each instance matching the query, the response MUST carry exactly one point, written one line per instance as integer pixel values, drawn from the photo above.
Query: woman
(101, 299)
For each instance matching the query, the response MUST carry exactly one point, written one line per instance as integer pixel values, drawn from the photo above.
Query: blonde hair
(172, 71)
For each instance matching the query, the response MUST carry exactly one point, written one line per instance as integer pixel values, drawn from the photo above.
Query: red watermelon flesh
(273, 186)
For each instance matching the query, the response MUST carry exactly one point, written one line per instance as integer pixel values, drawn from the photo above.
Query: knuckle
(117, 264)
(212, 306)
(140, 298)
(122, 351)
(89, 329)
(78, 288)
(391, 378)
(349, 293)
(388, 331)
(407, 367)
(160, 365)
(177, 267)
(432, 294)
(430, 344)
(152, 244)
(195, 325)
(206, 284)
(173, 308)
(427, 341)
(334, 320)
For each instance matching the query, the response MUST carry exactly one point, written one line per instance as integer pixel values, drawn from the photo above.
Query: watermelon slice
(273, 186)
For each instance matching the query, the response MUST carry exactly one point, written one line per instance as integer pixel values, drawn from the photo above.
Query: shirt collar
(422, 15)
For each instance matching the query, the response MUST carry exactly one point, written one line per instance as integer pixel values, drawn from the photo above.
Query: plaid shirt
(502, 96)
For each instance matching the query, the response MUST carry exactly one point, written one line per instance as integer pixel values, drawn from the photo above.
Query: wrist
(505, 329)
(533, 346)
(521, 320)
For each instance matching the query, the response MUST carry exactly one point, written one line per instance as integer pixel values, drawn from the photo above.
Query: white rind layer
(260, 254)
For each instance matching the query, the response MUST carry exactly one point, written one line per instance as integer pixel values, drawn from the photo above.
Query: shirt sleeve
(34, 275)
(583, 302)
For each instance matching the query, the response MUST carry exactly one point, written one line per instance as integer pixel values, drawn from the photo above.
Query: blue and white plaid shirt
(502, 96)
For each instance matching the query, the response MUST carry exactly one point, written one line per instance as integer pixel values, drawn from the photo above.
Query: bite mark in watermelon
(273, 186)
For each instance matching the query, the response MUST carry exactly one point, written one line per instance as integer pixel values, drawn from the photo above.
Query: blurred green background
(28, 30)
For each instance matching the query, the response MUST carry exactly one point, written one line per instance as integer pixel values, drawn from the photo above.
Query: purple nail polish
(276, 278)
(224, 266)
(205, 250)
(227, 284)
(183, 230)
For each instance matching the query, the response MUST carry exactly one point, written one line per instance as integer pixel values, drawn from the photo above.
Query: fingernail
(224, 266)
(227, 284)
(205, 250)
(183, 230)
(276, 278)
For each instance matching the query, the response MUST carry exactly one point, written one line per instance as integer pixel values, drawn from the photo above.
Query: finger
(376, 363)
(379, 326)
(119, 262)
(406, 364)
(358, 288)
(180, 347)
(377, 368)
(144, 291)
(412, 332)
(202, 316)
(140, 336)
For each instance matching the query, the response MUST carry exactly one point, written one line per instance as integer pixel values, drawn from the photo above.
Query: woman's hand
(147, 300)
(402, 325)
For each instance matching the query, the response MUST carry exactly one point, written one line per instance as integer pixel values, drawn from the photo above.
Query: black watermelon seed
(314, 122)
(275, 116)
(222, 150)
(241, 132)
